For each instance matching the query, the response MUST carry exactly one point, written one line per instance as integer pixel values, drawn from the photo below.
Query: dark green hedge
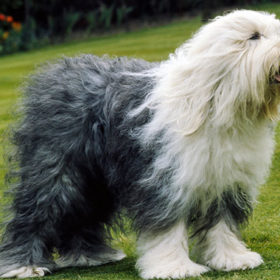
(44, 20)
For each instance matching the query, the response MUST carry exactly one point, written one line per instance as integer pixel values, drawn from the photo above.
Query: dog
(179, 147)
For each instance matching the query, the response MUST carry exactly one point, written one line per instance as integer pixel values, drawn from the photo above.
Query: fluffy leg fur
(37, 229)
(86, 248)
(220, 249)
(48, 203)
(166, 255)
(105, 255)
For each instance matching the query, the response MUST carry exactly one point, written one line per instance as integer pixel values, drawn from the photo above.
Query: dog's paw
(94, 260)
(235, 261)
(25, 272)
(173, 270)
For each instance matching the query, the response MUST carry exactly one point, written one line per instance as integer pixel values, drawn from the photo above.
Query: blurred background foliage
(25, 24)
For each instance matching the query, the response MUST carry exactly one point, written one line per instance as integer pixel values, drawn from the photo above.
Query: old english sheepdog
(179, 146)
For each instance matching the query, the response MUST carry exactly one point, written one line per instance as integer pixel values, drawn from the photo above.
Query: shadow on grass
(125, 270)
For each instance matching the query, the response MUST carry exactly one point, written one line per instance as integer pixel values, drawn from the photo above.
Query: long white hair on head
(221, 75)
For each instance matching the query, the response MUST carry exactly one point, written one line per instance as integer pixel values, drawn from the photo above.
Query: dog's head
(235, 60)
(226, 75)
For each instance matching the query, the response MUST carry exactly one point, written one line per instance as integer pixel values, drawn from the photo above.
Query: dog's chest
(217, 161)
(241, 158)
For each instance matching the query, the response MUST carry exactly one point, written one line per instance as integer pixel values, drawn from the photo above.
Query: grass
(263, 231)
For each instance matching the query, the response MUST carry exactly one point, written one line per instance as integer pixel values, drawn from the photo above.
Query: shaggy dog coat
(182, 144)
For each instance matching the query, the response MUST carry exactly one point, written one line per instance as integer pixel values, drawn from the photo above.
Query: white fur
(222, 250)
(166, 255)
(26, 271)
(211, 102)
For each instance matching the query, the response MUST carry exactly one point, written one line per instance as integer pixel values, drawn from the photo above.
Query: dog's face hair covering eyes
(178, 146)
(255, 36)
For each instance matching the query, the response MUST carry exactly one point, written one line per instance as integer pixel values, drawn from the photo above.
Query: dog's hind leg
(31, 234)
(86, 246)
(48, 199)
(84, 233)
(57, 215)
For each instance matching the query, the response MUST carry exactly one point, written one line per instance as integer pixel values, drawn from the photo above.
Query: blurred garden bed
(27, 24)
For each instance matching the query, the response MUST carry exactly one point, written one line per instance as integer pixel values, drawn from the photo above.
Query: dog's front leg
(165, 255)
(221, 249)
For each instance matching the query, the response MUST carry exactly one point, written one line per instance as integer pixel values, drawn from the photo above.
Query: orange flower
(5, 35)
(2, 17)
(9, 19)
(16, 26)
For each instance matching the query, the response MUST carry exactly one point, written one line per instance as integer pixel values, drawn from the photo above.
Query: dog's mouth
(275, 79)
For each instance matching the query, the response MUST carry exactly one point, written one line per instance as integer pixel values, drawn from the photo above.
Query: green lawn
(263, 231)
